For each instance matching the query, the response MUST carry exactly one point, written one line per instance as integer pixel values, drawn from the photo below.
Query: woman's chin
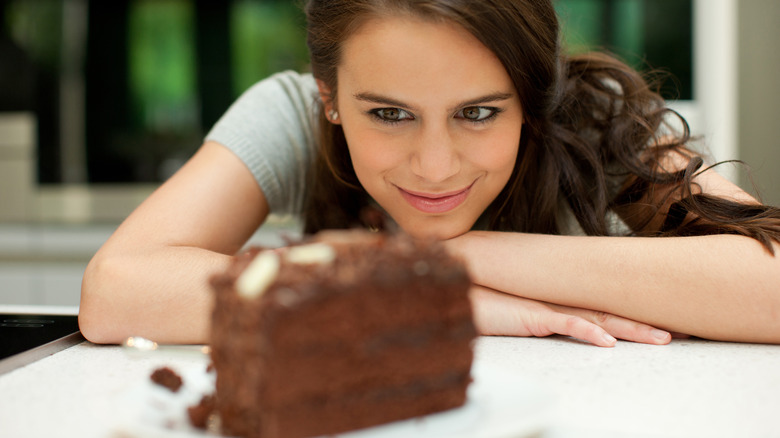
(435, 232)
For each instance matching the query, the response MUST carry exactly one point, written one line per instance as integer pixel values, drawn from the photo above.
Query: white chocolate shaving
(321, 253)
(258, 275)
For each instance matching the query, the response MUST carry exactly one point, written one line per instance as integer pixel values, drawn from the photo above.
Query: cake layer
(394, 354)
(393, 366)
(345, 412)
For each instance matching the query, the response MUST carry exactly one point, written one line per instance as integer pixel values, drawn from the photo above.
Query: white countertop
(690, 388)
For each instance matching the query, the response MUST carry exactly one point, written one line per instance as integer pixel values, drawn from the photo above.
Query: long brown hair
(590, 120)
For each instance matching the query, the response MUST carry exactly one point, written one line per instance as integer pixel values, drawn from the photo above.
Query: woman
(553, 177)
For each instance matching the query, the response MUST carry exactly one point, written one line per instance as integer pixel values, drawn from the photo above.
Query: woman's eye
(478, 113)
(391, 114)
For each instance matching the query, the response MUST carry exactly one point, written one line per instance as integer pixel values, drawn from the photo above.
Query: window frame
(712, 113)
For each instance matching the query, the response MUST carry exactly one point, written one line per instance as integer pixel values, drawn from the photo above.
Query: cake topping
(202, 414)
(260, 273)
(167, 378)
(320, 253)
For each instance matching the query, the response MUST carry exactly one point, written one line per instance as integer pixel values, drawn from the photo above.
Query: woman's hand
(497, 313)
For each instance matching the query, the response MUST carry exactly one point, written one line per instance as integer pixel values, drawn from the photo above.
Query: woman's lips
(435, 203)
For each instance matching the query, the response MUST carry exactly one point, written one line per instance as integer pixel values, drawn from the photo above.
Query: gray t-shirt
(271, 128)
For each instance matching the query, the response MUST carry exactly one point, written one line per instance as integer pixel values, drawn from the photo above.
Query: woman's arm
(723, 287)
(151, 277)
(717, 287)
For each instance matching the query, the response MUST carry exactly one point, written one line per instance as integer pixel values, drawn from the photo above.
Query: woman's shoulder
(292, 83)
(270, 127)
(284, 101)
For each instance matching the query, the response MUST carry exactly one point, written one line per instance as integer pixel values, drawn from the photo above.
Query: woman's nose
(435, 156)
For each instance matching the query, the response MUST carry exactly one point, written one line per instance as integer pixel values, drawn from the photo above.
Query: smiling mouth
(435, 203)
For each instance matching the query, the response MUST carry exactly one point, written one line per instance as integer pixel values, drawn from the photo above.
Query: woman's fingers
(496, 313)
(580, 328)
(619, 327)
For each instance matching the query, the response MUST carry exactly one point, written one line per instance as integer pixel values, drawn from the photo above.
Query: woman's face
(432, 121)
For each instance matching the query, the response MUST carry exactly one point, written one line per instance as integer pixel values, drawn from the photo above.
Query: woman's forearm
(151, 277)
(718, 287)
(161, 293)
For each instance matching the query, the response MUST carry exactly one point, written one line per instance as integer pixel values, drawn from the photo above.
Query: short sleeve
(270, 127)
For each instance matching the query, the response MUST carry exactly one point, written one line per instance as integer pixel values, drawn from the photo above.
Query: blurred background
(101, 101)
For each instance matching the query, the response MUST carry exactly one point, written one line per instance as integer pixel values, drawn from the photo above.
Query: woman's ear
(329, 105)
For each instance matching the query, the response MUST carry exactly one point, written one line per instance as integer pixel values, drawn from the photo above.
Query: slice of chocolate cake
(346, 331)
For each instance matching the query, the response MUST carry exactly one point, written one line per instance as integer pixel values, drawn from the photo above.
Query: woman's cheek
(374, 152)
(496, 153)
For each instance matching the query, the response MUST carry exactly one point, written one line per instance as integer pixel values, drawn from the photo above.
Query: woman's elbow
(98, 306)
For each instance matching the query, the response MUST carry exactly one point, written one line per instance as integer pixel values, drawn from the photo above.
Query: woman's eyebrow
(389, 101)
(381, 100)
(493, 97)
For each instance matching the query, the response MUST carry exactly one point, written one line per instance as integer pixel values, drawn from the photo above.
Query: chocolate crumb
(199, 414)
(167, 377)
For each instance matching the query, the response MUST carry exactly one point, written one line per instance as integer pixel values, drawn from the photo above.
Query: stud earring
(333, 115)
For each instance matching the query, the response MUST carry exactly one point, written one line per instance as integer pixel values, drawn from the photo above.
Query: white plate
(499, 405)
